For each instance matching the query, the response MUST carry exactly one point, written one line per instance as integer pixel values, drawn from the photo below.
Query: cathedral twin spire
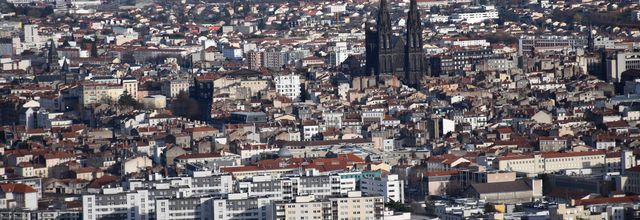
(384, 25)
(386, 57)
(414, 26)
(415, 67)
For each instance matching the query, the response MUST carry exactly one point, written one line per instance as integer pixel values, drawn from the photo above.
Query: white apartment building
(390, 187)
(475, 17)
(290, 187)
(163, 198)
(475, 120)
(261, 186)
(183, 208)
(252, 152)
(204, 195)
(32, 38)
(309, 130)
(146, 204)
(117, 205)
(288, 85)
(239, 206)
(332, 119)
(199, 184)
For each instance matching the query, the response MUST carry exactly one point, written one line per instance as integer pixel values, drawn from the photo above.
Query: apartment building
(252, 152)
(183, 208)
(146, 204)
(621, 62)
(274, 59)
(287, 188)
(52, 214)
(254, 84)
(198, 184)
(310, 129)
(528, 43)
(172, 88)
(203, 87)
(92, 93)
(631, 181)
(389, 186)
(163, 198)
(547, 144)
(254, 60)
(288, 85)
(130, 85)
(261, 186)
(302, 207)
(352, 206)
(475, 17)
(119, 205)
(240, 206)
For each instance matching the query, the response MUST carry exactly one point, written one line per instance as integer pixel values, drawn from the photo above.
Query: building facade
(288, 85)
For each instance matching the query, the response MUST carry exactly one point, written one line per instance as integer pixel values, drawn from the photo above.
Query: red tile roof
(104, 180)
(198, 155)
(572, 154)
(634, 169)
(17, 188)
(626, 199)
(441, 173)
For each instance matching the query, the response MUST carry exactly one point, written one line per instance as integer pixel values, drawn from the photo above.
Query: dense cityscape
(345, 110)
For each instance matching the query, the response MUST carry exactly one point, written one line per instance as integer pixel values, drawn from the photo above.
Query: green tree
(185, 106)
(127, 100)
(398, 206)
(430, 207)
(577, 19)
(94, 48)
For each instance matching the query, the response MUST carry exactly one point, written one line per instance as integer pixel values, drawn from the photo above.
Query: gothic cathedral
(389, 55)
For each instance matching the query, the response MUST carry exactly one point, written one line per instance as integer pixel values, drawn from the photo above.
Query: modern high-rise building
(274, 59)
(203, 93)
(390, 55)
(254, 60)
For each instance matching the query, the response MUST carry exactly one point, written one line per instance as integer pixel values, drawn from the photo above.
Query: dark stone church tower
(414, 61)
(389, 55)
(52, 58)
(385, 51)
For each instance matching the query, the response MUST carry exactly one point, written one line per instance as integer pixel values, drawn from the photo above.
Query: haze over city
(294, 110)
